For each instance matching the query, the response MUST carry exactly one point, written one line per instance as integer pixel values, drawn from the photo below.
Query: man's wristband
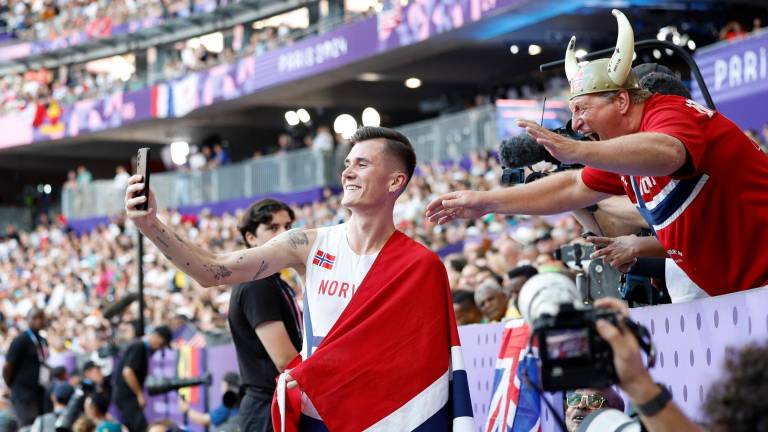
(653, 406)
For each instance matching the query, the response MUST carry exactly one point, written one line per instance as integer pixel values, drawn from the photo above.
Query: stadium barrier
(691, 340)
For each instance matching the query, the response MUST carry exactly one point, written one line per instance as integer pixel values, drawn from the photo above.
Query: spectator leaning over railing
(675, 159)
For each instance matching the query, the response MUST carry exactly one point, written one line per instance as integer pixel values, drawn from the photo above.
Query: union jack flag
(324, 260)
(515, 405)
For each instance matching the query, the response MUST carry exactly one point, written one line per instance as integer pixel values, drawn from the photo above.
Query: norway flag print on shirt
(324, 260)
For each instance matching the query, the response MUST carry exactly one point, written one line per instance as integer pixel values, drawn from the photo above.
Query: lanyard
(40, 346)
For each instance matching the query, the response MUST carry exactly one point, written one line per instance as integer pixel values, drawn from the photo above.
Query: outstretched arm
(209, 269)
(556, 193)
(637, 154)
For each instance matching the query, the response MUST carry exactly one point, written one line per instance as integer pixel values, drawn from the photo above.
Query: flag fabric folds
(515, 405)
(392, 361)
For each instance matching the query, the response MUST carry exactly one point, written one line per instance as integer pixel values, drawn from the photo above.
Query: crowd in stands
(52, 19)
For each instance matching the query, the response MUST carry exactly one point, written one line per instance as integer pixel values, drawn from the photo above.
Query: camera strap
(643, 337)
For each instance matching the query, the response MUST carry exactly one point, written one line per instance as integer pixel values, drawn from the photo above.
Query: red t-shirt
(714, 221)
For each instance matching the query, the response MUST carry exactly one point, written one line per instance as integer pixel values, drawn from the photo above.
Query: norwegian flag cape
(515, 405)
(392, 361)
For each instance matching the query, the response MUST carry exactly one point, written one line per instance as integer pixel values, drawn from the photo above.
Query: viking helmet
(604, 75)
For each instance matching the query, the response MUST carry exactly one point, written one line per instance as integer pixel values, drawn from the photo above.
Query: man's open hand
(564, 149)
(456, 205)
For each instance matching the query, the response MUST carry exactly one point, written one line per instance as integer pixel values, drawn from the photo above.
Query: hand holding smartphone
(142, 169)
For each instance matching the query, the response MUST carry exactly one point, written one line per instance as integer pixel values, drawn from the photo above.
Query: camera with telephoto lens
(571, 352)
(75, 406)
(522, 151)
(164, 385)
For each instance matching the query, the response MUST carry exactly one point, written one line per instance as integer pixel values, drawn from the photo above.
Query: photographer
(97, 408)
(676, 160)
(657, 410)
(60, 396)
(224, 414)
(130, 374)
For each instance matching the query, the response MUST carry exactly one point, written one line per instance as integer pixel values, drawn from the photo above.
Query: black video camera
(522, 151)
(572, 353)
(165, 385)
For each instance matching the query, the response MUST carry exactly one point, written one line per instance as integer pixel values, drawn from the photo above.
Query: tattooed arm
(210, 269)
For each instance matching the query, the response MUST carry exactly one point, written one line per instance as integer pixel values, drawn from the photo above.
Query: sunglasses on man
(594, 400)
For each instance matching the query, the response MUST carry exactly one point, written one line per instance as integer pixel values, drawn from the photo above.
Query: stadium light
(291, 118)
(691, 45)
(371, 117)
(514, 49)
(303, 115)
(413, 83)
(581, 52)
(47, 189)
(534, 49)
(179, 152)
(656, 54)
(345, 125)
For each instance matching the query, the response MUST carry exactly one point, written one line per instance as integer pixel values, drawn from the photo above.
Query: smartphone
(142, 169)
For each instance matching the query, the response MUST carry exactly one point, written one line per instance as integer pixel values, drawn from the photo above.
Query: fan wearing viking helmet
(699, 182)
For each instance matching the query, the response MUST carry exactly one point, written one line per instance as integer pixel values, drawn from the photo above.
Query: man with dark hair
(131, 372)
(465, 309)
(737, 402)
(25, 371)
(60, 396)
(97, 408)
(226, 416)
(675, 159)
(377, 306)
(264, 318)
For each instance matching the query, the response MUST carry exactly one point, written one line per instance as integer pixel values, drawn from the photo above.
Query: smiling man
(700, 183)
(579, 403)
(377, 305)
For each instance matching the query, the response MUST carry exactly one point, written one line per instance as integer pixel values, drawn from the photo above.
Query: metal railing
(444, 138)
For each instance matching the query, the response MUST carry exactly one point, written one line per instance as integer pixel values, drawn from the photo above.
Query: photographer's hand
(634, 378)
(564, 149)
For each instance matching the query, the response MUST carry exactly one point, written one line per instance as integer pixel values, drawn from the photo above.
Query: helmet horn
(621, 62)
(571, 64)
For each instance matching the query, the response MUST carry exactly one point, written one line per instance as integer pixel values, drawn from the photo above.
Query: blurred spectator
(220, 155)
(120, 182)
(60, 397)
(165, 425)
(465, 308)
(284, 143)
(84, 424)
(84, 176)
(7, 419)
(97, 408)
(513, 283)
(732, 31)
(491, 300)
(323, 141)
(25, 370)
(226, 413)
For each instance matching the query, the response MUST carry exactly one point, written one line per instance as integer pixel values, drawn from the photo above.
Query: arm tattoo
(262, 267)
(219, 271)
(298, 238)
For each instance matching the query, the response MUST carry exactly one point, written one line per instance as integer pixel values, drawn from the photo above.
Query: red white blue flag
(515, 405)
(324, 260)
(392, 362)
